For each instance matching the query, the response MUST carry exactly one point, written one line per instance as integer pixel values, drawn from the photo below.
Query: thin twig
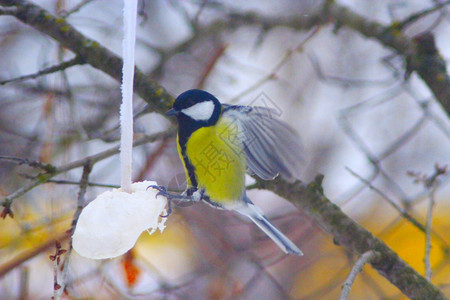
(56, 286)
(428, 234)
(210, 65)
(56, 258)
(430, 183)
(43, 178)
(278, 66)
(414, 17)
(77, 60)
(403, 213)
(90, 50)
(389, 200)
(357, 268)
(198, 13)
(32, 163)
(71, 182)
(75, 9)
(24, 278)
(8, 200)
(115, 150)
(342, 81)
(80, 203)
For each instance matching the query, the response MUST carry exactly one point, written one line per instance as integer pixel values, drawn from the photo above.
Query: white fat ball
(110, 225)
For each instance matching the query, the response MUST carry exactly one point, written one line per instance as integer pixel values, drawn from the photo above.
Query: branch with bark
(349, 234)
(88, 50)
(53, 171)
(420, 55)
(357, 268)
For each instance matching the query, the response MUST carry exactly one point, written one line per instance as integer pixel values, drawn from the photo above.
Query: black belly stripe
(190, 168)
(184, 133)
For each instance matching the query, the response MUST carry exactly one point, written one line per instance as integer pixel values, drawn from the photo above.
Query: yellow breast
(219, 161)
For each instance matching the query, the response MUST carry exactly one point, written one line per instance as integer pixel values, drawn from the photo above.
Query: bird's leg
(162, 191)
(190, 195)
(194, 194)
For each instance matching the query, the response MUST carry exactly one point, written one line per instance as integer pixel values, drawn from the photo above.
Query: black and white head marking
(201, 111)
(197, 108)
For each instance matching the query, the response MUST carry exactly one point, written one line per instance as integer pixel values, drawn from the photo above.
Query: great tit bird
(218, 143)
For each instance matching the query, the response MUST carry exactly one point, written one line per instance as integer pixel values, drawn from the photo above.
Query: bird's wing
(271, 146)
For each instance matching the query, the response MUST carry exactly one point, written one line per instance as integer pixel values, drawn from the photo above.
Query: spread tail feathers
(256, 215)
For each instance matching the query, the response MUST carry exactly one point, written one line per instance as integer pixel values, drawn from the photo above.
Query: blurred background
(374, 135)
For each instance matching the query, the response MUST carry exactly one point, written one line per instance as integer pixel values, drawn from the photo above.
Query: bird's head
(196, 106)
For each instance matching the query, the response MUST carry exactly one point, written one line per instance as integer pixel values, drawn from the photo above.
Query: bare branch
(32, 163)
(24, 281)
(430, 183)
(277, 67)
(71, 182)
(357, 268)
(53, 69)
(89, 50)
(56, 258)
(80, 204)
(43, 178)
(76, 8)
(414, 17)
(428, 235)
(405, 214)
(421, 53)
(7, 201)
(349, 234)
(428, 63)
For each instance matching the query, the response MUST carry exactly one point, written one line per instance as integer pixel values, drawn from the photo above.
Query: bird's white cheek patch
(201, 111)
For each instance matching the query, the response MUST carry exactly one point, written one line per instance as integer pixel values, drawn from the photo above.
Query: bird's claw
(162, 191)
(169, 208)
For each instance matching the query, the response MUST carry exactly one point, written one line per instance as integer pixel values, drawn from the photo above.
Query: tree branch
(349, 234)
(60, 67)
(357, 268)
(420, 53)
(92, 159)
(414, 17)
(80, 204)
(88, 50)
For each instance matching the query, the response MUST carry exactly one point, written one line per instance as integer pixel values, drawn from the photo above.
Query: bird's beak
(171, 112)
